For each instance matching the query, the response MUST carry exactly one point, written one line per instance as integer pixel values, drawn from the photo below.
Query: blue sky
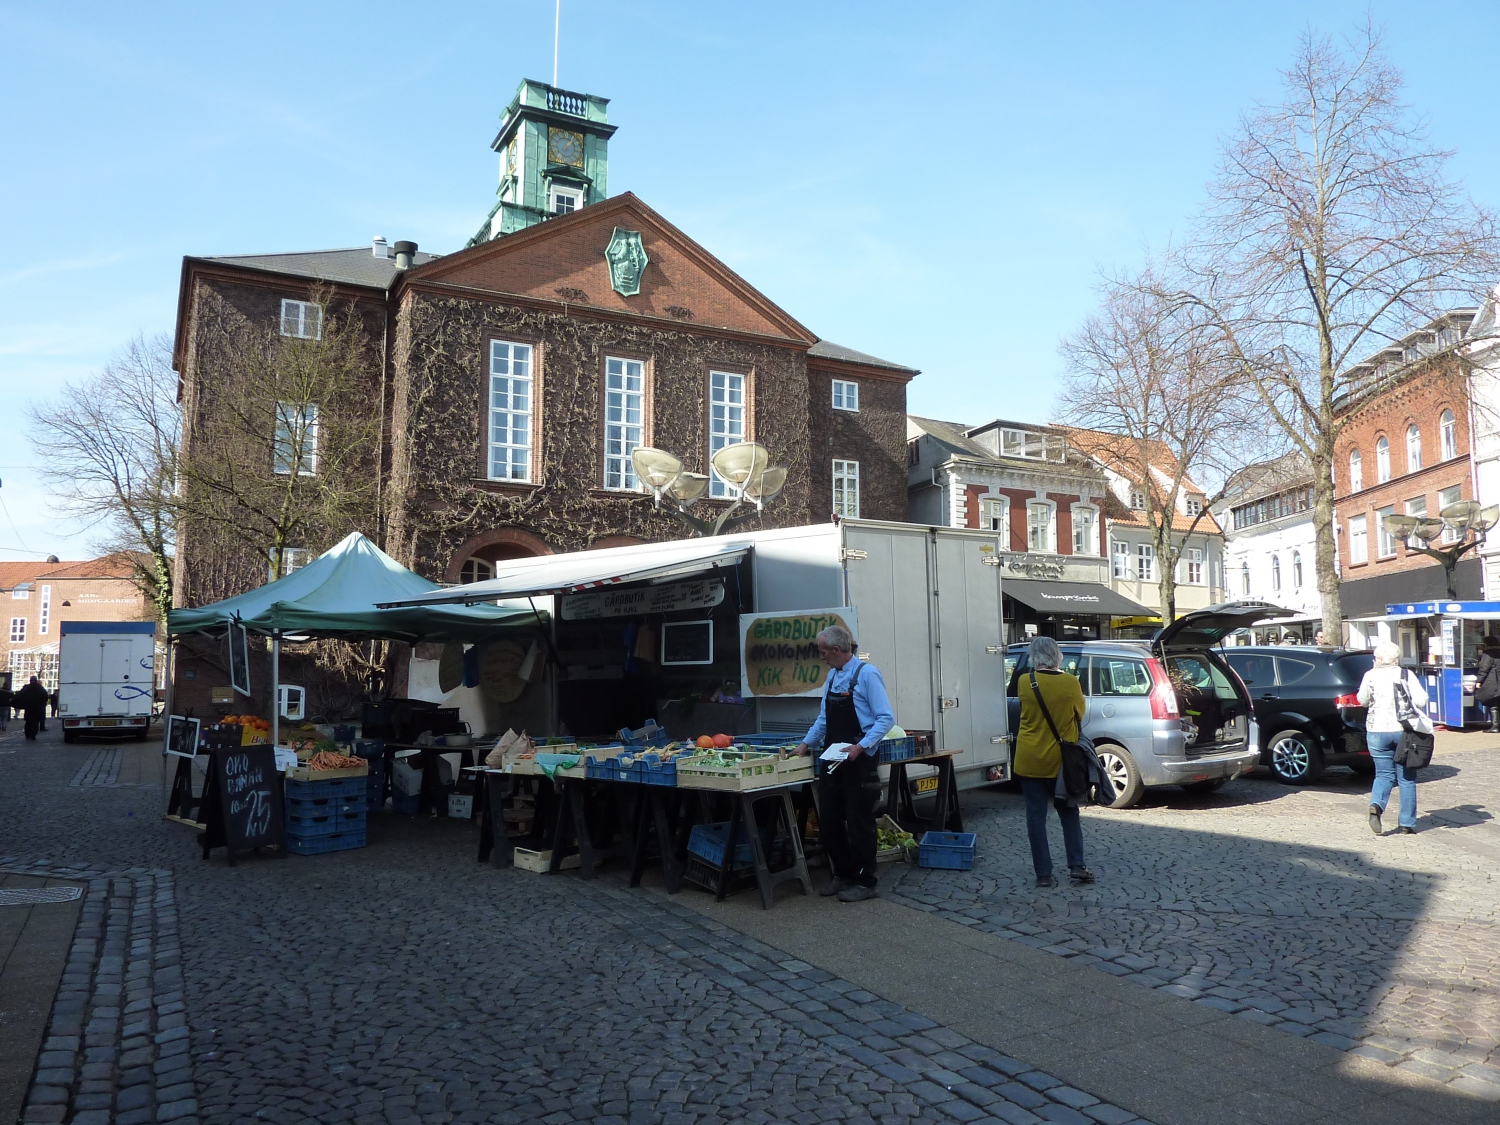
(938, 184)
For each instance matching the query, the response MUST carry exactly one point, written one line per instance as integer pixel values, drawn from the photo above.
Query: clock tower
(554, 158)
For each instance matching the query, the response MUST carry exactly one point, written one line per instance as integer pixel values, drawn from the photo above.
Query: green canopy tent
(336, 595)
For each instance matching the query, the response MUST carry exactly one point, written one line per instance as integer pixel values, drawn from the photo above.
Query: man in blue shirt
(855, 710)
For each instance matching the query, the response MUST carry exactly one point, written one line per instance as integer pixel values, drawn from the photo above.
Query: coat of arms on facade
(627, 261)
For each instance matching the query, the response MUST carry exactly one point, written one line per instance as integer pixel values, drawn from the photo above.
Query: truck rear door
(968, 653)
(117, 670)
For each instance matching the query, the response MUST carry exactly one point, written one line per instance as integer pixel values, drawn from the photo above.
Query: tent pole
(166, 718)
(275, 689)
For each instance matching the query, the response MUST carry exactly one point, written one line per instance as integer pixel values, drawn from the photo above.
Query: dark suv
(1306, 708)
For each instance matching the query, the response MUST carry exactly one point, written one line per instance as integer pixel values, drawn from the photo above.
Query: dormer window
(1194, 505)
(1137, 500)
(1031, 445)
(563, 199)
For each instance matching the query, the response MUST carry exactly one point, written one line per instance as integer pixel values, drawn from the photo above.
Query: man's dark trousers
(33, 721)
(846, 818)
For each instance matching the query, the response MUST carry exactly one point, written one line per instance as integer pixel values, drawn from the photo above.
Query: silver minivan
(1168, 711)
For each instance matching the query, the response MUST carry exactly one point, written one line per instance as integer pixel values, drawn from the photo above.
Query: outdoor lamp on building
(1459, 519)
(744, 467)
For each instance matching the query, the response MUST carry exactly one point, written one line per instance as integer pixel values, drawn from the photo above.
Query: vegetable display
(897, 839)
(327, 760)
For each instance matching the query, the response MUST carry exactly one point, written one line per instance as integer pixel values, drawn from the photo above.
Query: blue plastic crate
(898, 749)
(370, 748)
(334, 787)
(651, 770)
(708, 842)
(352, 820)
(952, 850)
(602, 769)
(401, 803)
(323, 806)
(308, 825)
(317, 845)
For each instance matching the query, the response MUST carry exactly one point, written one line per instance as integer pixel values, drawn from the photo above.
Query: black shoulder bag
(1415, 751)
(1078, 758)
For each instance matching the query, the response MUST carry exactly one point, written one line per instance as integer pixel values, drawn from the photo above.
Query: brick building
(1404, 449)
(513, 377)
(40, 595)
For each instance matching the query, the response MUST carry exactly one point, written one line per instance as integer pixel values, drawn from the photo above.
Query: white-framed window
(476, 570)
(292, 558)
(1418, 508)
(21, 593)
(1413, 448)
(1145, 562)
(1448, 430)
(1386, 541)
(846, 489)
(17, 630)
(1276, 574)
(296, 446)
(1137, 500)
(45, 617)
(624, 420)
(1359, 542)
(1194, 505)
(1192, 566)
(511, 406)
(1356, 471)
(563, 199)
(1244, 579)
(1085, 537)
(1032, 445)
(302, 319)
(1382, 460)
(1120, 559)
(726, 420)
(1447, 497)
(994, 515)
(1039, 527)
(845, 395)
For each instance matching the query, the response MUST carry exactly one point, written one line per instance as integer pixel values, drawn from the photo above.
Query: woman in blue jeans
(1039, 758)
(1383, 731)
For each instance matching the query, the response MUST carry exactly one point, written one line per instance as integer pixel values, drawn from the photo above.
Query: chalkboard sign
(242, 801)
(182, 737)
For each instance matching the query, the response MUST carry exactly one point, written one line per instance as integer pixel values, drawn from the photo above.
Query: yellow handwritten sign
(779, 651)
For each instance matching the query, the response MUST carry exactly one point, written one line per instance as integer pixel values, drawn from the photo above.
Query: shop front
(1064, 598)
(1442, 641)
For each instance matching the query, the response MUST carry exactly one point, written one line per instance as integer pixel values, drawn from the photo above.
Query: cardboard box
(406, 773)
(539, 862)
(460, 805)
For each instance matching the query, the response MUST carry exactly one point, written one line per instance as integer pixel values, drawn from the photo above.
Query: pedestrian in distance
(1378, 693)
(31, 701)
(1038, 764)
(1487, 679)
(1319, 639)
(855, 710)
(6, 698)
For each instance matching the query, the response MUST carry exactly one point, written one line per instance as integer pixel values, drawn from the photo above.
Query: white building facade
(1270, 545)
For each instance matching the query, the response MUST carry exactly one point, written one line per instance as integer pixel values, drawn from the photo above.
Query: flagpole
(556, 28)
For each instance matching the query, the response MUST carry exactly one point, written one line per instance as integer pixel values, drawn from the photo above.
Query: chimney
(381, 250)
(406, 253)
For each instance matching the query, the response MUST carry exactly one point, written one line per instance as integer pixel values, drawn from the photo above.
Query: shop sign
(779, 651)
(702, 594)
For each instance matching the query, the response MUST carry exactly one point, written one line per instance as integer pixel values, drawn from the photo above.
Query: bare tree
(1332, 229)
(1156, 401)
(108, 446)
(281, 453)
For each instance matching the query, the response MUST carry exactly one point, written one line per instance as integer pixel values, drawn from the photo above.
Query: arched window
(1275, 574)
(476, 570)
(1413, 448)
(1382, 460)
(1448, 427)
(1244, 579)
(1296, 570)
(1356, 471)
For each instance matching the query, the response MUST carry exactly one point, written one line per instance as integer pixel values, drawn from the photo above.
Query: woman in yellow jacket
(1039, 759)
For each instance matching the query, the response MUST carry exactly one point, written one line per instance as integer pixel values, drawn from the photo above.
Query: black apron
(841, 721)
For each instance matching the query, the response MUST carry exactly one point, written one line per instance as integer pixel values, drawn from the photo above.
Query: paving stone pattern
(102, 767)
(1276, 904)
(116, 1048)
(404, 982)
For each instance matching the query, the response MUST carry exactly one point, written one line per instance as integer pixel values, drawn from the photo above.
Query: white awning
(587, 570)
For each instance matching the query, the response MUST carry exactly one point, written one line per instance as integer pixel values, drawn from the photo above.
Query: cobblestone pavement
(1277, 904)
(102, 767)
(404, 982)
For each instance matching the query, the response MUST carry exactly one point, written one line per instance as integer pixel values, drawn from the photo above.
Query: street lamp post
(744, 467)
(1463, 517)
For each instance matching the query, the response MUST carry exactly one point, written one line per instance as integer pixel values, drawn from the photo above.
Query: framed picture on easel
(181, 739)
(239, 658)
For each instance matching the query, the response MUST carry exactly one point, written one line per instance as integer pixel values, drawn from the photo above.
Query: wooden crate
(538, 862)
(752, 771)
(302, 773)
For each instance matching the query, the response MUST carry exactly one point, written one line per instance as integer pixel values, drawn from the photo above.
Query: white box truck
(106, 678)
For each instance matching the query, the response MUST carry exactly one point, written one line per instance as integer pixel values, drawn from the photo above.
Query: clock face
(565, 147)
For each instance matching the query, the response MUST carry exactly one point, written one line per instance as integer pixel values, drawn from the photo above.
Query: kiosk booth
(1441, 640)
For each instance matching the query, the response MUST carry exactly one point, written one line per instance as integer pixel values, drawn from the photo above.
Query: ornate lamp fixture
(1461, 519)
(744, 467)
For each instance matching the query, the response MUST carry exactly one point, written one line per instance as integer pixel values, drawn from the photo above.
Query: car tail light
(1163, 698)
(1347, 700)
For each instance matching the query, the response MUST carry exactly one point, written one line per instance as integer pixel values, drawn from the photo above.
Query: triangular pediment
(563, 259)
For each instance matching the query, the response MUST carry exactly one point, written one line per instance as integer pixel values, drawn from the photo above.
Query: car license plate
(926, 784)
(106, 722)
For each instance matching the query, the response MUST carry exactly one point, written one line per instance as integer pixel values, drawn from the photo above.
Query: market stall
(1442, 640)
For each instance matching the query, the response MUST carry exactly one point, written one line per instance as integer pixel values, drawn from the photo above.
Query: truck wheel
(1294, 758)
(1123, 774)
